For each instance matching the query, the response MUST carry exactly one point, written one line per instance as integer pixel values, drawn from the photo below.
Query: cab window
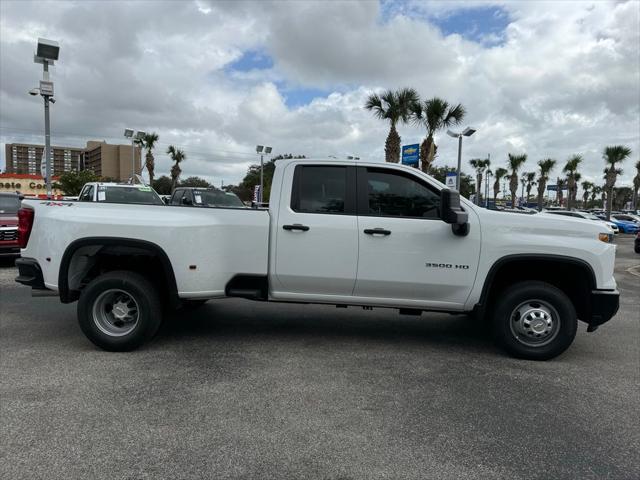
(393, 193)
(320, 189)
(87, 194)
(176, 198)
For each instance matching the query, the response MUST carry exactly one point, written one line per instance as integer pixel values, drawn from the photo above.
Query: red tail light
(25, 223)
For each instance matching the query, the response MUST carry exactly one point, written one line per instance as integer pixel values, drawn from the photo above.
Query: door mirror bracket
(451, 212)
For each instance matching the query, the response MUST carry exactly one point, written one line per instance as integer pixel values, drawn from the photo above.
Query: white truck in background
(336, 232)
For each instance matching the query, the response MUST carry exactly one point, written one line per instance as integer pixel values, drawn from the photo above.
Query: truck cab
(204, 197)
(108, 192)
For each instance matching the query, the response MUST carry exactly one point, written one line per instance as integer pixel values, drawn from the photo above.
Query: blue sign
(411, 154)
(450, 180)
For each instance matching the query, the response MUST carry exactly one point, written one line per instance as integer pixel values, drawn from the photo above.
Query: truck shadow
(241, 320)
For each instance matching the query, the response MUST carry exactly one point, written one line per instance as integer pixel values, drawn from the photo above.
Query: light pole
(47, 53)
(486, 187)
(133, 136)
(262, 150)
(467, 132)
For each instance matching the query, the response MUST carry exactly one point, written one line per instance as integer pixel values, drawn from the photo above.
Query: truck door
(316, 250)
(406, 252)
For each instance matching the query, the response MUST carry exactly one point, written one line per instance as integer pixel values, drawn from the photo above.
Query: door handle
(296, 226)
(377, 231)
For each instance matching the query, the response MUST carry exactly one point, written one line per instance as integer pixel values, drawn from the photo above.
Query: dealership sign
(411, 155)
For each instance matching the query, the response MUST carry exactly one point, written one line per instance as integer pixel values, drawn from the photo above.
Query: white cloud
(564, 79)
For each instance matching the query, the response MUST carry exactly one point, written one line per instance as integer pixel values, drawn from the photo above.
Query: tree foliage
(394, 106)
(195, 182)
(467, 187)
(72, 182)
(148, 142)
(245, 189)
(162, 185)
(434, 114)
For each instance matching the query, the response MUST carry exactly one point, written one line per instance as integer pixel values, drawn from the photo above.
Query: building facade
(27, 185)
(116, 162)
(26, 159)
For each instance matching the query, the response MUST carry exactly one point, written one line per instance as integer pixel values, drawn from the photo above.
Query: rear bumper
(604, 305)
(30, 273)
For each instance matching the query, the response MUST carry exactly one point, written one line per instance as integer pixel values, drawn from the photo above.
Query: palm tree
(148, 142)
(434, 114)
(546, 166)
(571, 169)
(636, 186)
(395, 107)
(480, 165)
(515, 162)
(177, 156)
(500, 173)
(586, 189)
(562, 183)
(613, 155)
(530, 177)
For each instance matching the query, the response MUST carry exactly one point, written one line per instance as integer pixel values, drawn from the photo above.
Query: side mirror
(186, 201)
(451, 212)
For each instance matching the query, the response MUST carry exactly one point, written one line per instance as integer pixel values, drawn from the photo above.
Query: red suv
(9, 205)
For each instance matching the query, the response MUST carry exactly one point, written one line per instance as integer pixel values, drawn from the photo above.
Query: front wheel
(534, 320)
(119, 311)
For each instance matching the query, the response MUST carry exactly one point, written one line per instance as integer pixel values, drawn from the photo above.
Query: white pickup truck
(340, 233)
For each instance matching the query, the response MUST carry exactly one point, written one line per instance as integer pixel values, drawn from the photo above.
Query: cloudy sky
(545, 78)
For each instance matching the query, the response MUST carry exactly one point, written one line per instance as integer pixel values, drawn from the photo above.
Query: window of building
(397, 194)
(319, 189)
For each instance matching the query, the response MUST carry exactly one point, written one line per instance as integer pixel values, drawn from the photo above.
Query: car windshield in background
(9, 204)
(216, 198)
(140, 195)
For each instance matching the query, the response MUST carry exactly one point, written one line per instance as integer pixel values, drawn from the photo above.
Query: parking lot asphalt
(240, 389)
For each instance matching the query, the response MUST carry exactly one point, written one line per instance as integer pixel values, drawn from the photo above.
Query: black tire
(534, 320)
(125, 335)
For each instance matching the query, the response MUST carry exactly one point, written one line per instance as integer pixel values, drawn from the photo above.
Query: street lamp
(467, 132)
(262, 150)
(131, 134)
(47, 51)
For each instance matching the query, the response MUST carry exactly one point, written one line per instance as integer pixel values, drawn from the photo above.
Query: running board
(253, 287)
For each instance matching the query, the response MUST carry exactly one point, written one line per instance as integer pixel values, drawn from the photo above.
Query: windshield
(590, 216)
(141, 194)
(9, 204)
(216, 198)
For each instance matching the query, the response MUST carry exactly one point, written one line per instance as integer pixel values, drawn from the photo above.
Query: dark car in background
(9, 206)
(637, 243)
(205, 197)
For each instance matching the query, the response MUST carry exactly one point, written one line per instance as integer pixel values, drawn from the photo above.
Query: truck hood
(545, 224)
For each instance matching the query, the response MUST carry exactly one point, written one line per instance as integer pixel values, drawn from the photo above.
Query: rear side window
(397, 194)
(87, 194)
(9, 204)
(320, 189)
(176, 199)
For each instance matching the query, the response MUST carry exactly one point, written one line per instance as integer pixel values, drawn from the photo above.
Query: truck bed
(207, 246)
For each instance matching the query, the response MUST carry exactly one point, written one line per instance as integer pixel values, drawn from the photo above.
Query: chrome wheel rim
(534, 323)
(115, 313)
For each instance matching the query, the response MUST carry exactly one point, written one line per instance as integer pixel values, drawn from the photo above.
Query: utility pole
(47, 53)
